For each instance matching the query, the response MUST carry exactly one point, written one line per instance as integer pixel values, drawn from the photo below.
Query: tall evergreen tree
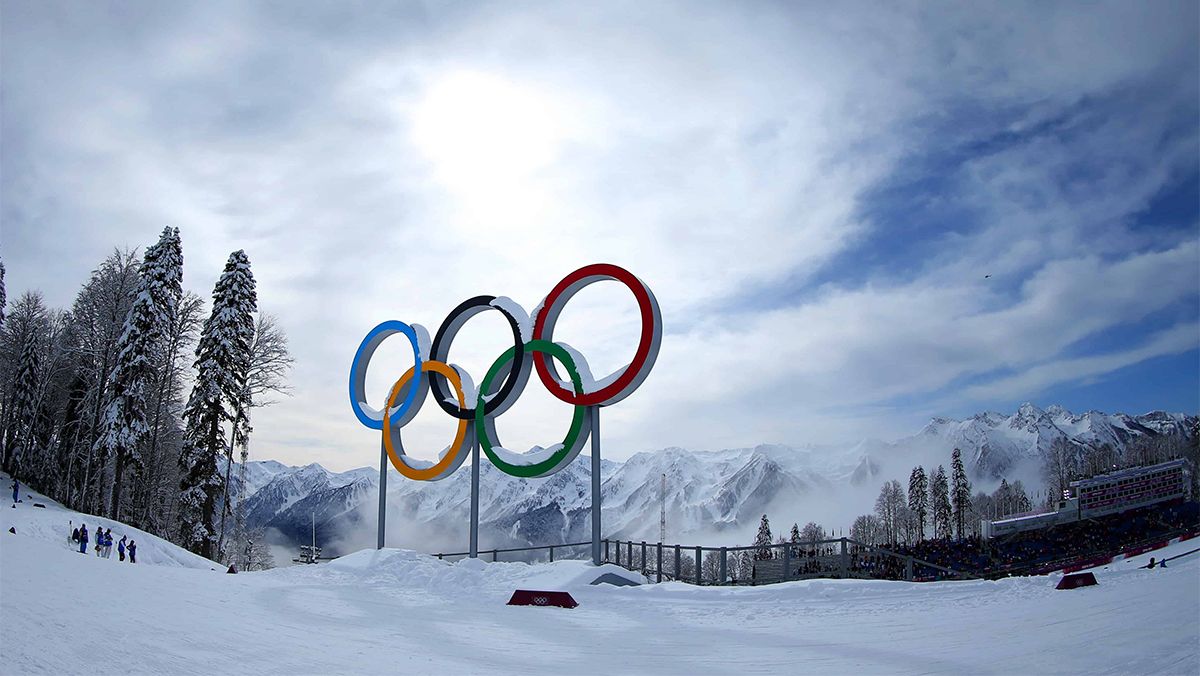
(155, 304)
(939, 504)
(918, 499)
(222, 362)
(960, 496)
(25, 390)
(762, 541)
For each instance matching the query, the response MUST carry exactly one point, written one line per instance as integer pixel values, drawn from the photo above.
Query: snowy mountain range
(719, 495)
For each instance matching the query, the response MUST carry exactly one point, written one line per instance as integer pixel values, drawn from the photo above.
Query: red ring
(646, 345)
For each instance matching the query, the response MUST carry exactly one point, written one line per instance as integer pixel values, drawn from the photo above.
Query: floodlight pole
(474, 548)
(594, 415)
(383, 460)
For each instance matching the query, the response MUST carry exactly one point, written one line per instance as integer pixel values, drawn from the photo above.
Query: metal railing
(495, 553)
(835, 558)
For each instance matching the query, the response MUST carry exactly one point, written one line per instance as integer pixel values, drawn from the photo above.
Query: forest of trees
(132, 403)
(941, 506)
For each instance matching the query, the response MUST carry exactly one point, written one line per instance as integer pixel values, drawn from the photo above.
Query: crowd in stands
(1026, 552)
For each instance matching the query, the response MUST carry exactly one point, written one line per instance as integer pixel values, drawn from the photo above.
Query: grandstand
(1098, 496)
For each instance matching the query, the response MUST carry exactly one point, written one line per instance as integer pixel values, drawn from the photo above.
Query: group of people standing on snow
(104, 541)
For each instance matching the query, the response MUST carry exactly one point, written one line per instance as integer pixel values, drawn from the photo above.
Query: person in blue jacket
(121, 548)
(83, 538)
(132, 552)
(16, 491)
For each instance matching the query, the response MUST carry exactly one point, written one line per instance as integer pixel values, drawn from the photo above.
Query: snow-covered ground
(396, 611)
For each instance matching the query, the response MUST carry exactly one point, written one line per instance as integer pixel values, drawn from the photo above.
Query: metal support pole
(844, 560)
(659, 567)
(787, 563)
(630, 553)
(643, 557)
(908, 568)
(606, 558)
(699, 572)
(724, 567)
(677, 568)
(383, 461)
(552, 554)
(594, 415)
(474, 548)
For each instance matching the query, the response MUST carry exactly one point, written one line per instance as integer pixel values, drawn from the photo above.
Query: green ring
(548, 465)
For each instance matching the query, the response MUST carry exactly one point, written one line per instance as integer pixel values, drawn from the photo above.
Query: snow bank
(467, 577)
(398, 611)
(54, 523)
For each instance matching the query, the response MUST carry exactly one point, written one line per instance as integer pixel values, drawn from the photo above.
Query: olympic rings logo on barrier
(533, 348)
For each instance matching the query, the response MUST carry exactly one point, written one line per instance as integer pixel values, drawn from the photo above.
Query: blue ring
(374, 338)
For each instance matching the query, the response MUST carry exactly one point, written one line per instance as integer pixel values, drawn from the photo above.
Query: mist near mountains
(711, 498)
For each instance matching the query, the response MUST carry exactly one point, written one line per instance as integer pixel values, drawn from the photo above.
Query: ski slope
(397, 611)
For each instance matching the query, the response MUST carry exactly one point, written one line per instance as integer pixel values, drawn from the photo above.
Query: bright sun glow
(484, 133)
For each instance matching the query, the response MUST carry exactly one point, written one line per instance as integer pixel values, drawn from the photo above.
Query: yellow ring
(436, 471)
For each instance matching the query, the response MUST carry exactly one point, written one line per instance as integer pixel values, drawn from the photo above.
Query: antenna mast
(662, 510)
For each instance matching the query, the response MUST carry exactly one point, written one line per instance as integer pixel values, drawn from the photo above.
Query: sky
(852, 220)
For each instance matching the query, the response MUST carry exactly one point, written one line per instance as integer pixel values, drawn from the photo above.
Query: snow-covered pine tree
(794, 538)
(156, 301)
(222, 362)
(25, 389)
(939, 499)
(960, 495)
(918, 499)
(762, 541)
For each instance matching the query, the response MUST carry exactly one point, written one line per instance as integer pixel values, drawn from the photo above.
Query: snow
(398, 611)
(587, 380)
(54, 523)
(514, 309)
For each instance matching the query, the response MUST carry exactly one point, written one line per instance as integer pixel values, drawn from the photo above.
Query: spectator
(121, 548)
(16, 492)
(108, 543)
(83, 538)
(132, 552)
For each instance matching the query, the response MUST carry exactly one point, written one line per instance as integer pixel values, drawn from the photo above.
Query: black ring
(441, 349)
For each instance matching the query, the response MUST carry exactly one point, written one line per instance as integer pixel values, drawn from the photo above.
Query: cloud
(814, 197)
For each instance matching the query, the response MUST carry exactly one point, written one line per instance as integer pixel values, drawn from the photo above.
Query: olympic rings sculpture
(476, 410)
